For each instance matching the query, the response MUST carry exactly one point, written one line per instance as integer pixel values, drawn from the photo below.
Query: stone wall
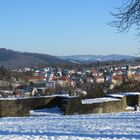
(75, 107)
(92, 108)
(41, 102)
(20, 107)
(139, 100)
(112, 106)
(13, 108)
(122, 98)
(69, 105)
(123, 102)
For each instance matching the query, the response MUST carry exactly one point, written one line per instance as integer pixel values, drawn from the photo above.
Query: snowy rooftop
(131, 93)
(116, 95)
(120, 95)
(98, 100)
(55, 95)
(6, 91)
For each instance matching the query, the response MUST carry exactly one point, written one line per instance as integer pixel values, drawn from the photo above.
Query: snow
(98, 100)
(6, 91)
(116, 95)
(50, 124)
(13, 98)
(49, 96)
(120, 95)
(131, 93)
(129, 108)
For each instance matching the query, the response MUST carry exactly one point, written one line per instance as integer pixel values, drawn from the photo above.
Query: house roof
(36, 77)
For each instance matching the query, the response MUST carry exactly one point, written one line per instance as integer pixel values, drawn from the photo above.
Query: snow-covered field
(52, 125)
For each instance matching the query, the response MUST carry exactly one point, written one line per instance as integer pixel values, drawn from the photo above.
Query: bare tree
(127, 15)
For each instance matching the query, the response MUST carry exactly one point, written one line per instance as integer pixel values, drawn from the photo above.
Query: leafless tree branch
(127, 15)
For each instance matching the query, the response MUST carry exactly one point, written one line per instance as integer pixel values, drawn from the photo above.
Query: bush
(95, 91)
(128, 85)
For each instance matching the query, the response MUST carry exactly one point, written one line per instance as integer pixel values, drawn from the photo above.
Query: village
(73, 82)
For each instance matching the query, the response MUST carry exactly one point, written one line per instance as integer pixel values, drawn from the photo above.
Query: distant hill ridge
(92, 58)
(10, 58)
(13, 59)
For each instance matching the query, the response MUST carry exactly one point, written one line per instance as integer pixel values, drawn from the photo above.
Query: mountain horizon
(90, 58)
(68, 55)
(11, 58)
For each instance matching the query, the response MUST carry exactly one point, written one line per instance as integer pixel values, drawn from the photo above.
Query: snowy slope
(52, 125)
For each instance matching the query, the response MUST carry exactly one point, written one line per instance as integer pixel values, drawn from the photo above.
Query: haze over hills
(11, 58)
(92, 58)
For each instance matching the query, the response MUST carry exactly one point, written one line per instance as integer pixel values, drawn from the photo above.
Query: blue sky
(63, 27)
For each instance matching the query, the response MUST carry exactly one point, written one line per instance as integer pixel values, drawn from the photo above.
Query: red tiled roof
(63, 78)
